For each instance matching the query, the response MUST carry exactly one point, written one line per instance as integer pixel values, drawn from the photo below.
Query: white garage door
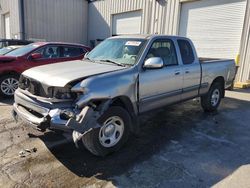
(215, 26)
(127, 23)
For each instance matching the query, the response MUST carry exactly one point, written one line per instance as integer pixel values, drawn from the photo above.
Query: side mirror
(153, 63)
(36, 56)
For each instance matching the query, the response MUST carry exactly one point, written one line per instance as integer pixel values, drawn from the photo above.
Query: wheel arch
(124, 102)
(221, 80)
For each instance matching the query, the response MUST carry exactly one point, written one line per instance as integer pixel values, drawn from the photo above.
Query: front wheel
(8, 85)
(112, 134)
(211, 100)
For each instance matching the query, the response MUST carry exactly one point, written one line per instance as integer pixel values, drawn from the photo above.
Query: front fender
(108, 86)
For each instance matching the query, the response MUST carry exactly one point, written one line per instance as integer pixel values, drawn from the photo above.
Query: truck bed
(215, 67)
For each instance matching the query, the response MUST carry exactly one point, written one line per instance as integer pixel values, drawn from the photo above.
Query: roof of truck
(133, 36)
(147, 36)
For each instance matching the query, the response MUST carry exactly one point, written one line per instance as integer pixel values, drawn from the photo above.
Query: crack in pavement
(211, 138)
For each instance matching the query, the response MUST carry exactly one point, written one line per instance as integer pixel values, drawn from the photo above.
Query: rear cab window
(186, 50)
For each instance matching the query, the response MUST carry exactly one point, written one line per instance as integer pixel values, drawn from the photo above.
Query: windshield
(5, 50)
(23, 50)
(120, 51)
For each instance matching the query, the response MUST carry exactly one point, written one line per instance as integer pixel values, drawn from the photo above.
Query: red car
(35, 54)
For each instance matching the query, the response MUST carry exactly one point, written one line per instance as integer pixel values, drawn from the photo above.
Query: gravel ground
(179, 146)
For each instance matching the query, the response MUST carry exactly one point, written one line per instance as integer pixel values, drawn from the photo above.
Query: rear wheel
(211, 100)
(8, 85)
(112, 134)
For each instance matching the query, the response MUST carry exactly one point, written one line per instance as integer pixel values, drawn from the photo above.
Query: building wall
(11, 7)
(159, 17)
(244, 70)
(56, 20)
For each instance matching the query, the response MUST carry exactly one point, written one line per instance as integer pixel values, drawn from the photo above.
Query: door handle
(177, 72)
(186, 71)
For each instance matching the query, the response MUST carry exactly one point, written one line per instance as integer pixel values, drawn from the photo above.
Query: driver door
(159, 87)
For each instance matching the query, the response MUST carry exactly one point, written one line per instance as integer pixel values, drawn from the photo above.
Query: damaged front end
(58, 115)
(86, 120)
(77, 105)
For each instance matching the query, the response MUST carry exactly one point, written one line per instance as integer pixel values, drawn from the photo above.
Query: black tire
(91, 139)
(3, 80)
(206, 100)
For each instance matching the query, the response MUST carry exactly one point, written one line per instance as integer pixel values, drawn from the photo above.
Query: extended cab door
(159, 87)
(191, 69)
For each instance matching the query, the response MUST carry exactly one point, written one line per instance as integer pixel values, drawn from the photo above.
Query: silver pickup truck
(100, 97)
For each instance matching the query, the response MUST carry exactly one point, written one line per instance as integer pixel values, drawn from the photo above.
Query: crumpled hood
(60, 74)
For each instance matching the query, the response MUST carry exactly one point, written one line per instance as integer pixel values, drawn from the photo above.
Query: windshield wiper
(110, 61)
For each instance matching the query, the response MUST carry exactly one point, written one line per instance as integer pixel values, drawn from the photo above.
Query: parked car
(100, 97)
(8, 49)
(13, 42)
(32, 55)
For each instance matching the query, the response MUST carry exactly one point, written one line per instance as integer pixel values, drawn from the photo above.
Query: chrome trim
(204, 85)
(25, 115)
(21, 99)
(174, 93)
(162, 95)
(191, 88)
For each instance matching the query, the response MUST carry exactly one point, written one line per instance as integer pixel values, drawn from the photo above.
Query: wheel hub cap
(8, 86)
(111, 132)
(215, 97)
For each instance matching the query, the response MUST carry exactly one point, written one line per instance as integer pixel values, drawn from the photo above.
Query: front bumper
(40, 114)
(43, 115)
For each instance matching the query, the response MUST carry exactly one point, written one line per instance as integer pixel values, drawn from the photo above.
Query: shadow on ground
(247, 90)
(6, 101)
(157, 130)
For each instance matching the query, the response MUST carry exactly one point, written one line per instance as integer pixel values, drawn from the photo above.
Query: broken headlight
(61, 93)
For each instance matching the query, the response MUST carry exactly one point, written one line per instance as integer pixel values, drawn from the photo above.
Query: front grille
(31, 85)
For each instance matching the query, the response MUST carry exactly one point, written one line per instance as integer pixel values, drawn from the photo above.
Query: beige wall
(56, 20)
(157, 16)
(160, 17)
(11, 7)
(244, 70)
(50, 20)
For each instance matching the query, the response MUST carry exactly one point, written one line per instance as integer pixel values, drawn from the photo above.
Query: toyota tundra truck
(99, 98)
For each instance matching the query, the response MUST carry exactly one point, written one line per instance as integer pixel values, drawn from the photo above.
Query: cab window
(186, 51)
(164, 49)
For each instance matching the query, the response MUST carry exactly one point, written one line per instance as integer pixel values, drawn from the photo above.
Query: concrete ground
(179, 146)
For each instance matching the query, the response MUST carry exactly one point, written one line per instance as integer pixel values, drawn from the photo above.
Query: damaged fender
(86, 121)
(102, 88)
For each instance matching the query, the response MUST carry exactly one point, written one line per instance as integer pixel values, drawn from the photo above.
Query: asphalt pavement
(178, 146)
